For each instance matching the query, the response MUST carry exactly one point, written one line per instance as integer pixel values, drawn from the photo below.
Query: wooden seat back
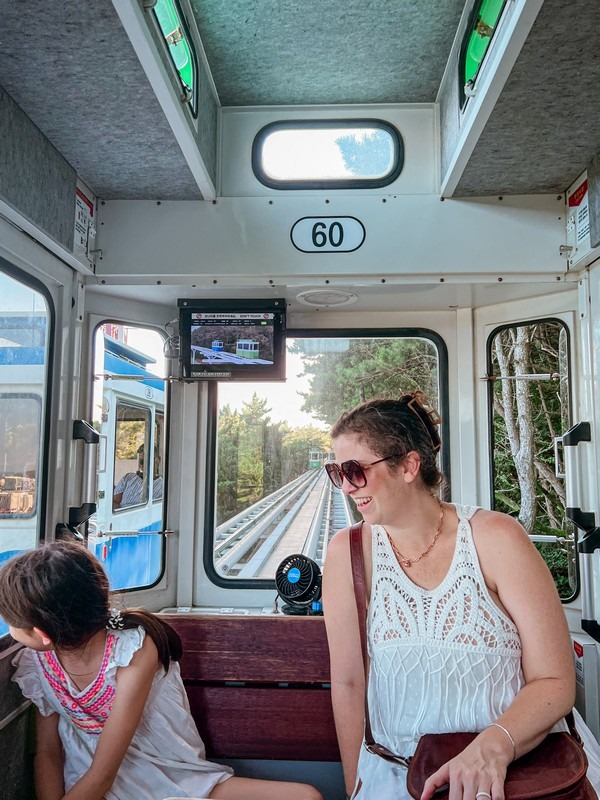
(258, 686)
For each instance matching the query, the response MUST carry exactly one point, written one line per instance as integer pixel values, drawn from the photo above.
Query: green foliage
(366, 156)
(528, 415)
(130, 435)
(367, 368)
(557, 560)
(257, 456)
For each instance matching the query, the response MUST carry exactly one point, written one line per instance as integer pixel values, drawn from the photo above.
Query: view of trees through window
(266, 433)
(530, 395)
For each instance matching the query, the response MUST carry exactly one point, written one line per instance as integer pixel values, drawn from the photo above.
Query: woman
(465, 628)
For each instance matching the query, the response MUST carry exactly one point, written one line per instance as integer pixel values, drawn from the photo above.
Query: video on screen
(232, 338)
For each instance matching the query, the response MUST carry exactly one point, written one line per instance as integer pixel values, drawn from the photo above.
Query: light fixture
(326, 298)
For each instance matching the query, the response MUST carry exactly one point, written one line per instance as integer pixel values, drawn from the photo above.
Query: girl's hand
(478, 773)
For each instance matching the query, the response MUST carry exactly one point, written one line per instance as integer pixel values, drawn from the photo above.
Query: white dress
(442, 660)
(166, 757)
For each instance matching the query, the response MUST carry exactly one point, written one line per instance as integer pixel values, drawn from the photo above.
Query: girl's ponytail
(165, 638)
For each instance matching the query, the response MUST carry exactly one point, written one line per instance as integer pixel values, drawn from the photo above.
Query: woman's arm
(347, 673)
(133, 686)
(49, 759)
(520, 582)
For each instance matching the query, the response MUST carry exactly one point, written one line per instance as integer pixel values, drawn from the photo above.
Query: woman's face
(379, 500)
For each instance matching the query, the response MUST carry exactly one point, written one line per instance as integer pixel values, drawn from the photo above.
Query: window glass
(180, 47)
(273, 497)
(478, 37)
(129, 414)
(529, 397)
(340, 154)
(24, 335)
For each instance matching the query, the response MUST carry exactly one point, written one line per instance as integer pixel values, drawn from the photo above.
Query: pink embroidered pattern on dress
(89, 711)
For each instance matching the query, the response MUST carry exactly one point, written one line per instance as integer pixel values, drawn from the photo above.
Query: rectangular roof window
(180, 48)
(327, 154)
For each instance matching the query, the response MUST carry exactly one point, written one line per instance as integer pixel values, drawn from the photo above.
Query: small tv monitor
(238, 340)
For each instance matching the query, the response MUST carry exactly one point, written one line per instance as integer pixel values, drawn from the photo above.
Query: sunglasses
(352, 471)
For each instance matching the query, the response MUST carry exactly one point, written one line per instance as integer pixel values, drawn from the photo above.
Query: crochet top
(444, 659)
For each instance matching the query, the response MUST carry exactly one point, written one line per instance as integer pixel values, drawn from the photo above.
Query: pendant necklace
(408, 562)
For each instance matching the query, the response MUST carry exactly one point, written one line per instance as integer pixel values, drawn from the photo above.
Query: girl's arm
(48, 763)
(347, 673)
(133, 686)
(520, 581)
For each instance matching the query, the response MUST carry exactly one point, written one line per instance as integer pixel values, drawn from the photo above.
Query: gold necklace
(408, 562)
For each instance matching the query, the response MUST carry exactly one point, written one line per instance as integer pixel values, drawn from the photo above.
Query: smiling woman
(452, 628)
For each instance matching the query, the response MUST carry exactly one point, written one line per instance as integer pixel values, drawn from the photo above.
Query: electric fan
(298, 581)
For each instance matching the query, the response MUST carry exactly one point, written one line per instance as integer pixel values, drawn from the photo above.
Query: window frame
(210, 481)
(334, 183)
(490, 418)
(96, 328)
(46, 418)
(42, 493)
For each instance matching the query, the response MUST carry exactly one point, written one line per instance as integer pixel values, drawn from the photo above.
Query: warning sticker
(84, 213)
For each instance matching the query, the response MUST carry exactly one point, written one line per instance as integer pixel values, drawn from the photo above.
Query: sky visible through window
(327, 153)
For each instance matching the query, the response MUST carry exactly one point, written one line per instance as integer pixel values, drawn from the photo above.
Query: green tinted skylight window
(327, 154)
(480, 31)
(180, 47)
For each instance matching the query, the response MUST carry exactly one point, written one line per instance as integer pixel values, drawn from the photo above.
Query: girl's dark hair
(394, 428)
(62, 589)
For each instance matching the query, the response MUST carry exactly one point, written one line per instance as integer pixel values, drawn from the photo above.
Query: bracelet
(512, 741)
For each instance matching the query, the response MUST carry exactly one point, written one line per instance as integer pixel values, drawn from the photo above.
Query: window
(271, 496)
(529, 407)
(129, 414)
(340, 154)
(480, 31)
(24, 346)
(181, 50)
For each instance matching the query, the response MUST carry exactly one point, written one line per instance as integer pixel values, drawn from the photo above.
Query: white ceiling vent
(326, 298)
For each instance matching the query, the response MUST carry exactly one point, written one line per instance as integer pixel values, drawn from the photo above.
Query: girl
(465, 628)
(113, 720)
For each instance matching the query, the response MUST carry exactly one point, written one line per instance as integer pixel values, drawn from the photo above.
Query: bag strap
(357, 560)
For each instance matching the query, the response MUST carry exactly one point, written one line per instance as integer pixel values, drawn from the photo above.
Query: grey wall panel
(207, 123)
(71, 67)
(593, 172)
(545, 127)
(449, 113)
(34, 178)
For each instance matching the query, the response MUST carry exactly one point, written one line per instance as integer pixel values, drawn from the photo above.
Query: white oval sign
(327, 234)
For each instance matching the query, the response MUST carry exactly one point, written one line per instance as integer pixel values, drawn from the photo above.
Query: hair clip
(427, 415)
(115, 621)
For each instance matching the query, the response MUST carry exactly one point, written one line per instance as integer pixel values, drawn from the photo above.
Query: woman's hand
(478, 773)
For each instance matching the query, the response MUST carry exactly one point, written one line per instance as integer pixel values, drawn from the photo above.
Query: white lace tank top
(446, 659)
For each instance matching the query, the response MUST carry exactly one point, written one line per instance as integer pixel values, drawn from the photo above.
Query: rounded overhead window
(331, 154)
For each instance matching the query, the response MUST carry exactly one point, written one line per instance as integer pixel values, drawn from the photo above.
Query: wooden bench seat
(258, 686)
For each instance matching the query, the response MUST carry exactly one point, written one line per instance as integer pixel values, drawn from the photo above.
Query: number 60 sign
(327, 234)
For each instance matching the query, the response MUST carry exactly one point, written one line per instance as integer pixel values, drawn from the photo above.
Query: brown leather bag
(555, 769)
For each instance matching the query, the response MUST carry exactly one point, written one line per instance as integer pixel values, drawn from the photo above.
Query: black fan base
(295, 611)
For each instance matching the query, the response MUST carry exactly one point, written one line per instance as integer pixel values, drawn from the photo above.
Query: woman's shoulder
(501, 542)
(488, 525)
(339, 544)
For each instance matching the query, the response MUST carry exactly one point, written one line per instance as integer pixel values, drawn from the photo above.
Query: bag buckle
(381, 751)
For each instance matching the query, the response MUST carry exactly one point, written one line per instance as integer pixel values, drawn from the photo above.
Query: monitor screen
(232, 340)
